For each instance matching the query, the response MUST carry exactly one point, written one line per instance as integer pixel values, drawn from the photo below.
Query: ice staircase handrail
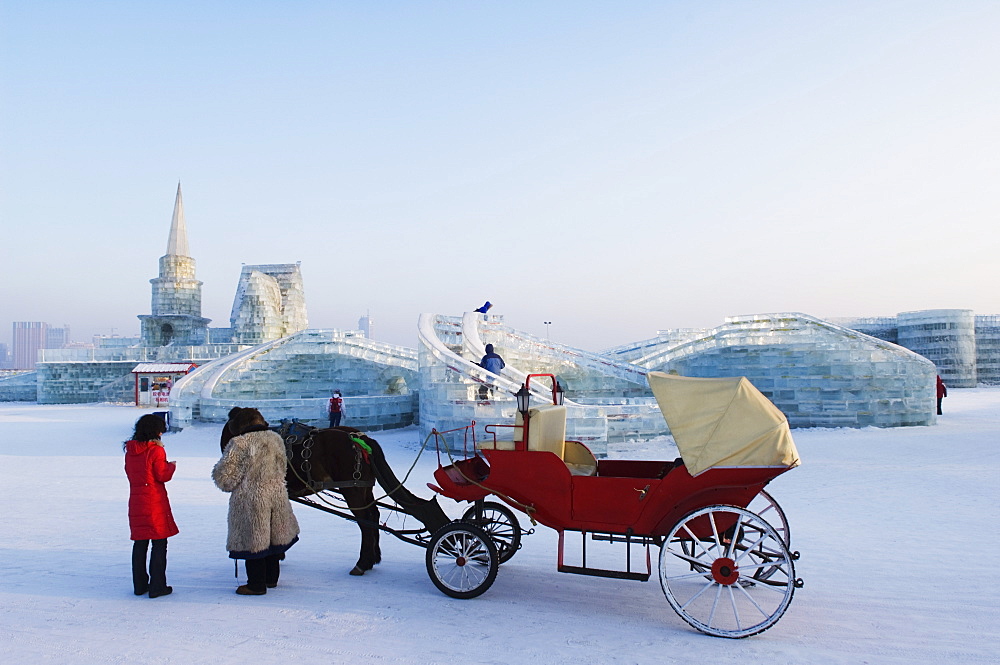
(426, 332)
(472, 342)
(729, 334)
(593, 361)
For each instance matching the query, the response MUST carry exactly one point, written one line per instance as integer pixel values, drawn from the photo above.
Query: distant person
(942, 392)
(261, 523)
(491, 362)
(149, 515)
(335, 408)
(485, 308)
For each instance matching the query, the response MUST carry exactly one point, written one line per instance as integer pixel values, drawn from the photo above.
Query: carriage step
(600, 572)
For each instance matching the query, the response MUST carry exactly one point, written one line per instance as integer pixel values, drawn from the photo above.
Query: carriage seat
(547, 431)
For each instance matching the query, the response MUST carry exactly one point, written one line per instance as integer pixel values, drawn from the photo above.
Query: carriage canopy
(723, 423)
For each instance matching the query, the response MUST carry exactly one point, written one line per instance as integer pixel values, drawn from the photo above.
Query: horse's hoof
(356, 571)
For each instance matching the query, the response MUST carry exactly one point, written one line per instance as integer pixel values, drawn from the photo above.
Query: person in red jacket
(942, 392)
(149, 515)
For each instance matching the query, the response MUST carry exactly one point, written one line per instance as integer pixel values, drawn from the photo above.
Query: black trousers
(156, 579)
(263, 573)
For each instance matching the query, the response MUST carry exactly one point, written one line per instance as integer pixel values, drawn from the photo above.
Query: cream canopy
(723, 423)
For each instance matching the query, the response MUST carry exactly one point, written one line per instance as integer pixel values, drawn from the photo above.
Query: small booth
(153, 381)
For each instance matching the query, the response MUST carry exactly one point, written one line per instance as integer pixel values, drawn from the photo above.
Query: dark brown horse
(325, 459)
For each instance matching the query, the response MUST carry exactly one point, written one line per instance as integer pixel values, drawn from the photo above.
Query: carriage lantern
(559, 393)
(523, 397)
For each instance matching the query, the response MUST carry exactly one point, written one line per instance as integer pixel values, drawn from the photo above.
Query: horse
(325, 459)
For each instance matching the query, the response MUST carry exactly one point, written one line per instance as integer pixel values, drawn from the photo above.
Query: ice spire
(177, 245)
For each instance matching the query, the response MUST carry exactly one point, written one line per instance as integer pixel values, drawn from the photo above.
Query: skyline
(613, 170)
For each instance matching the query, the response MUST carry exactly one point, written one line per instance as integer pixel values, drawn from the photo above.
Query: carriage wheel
(462, 560)
(502, 526)
(766, 507)
(708, 565)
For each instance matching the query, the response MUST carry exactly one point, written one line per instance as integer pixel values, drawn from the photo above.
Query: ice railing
(201, 384)
(555, 353)
(450, 383)
(766, 329)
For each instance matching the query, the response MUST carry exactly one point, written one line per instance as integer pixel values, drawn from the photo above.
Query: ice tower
(270, 303)
(176, 318)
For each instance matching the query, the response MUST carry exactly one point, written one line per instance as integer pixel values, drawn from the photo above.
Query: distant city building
(4, 356)
(270, 303)
(175, 317)
(29, 337)
(57, 338)
(367, 326)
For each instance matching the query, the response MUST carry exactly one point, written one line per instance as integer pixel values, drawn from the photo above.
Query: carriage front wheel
(462, 560)
(710, 567)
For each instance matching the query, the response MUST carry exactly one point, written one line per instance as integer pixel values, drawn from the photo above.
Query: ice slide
(606, 400)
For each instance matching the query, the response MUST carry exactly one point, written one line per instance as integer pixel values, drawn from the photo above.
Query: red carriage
(724, 560)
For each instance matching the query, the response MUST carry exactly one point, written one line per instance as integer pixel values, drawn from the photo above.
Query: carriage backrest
(547, 429)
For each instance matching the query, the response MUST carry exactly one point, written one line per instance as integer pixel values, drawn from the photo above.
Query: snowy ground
(897, 530)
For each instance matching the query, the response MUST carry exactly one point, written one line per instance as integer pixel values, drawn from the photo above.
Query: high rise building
(57, 338)
(367, 325)
(29, 336)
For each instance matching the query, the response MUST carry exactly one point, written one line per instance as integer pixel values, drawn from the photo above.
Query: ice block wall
(947, 337)
(818, 373)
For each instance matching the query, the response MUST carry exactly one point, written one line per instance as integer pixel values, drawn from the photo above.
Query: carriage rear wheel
(710, 567)
(766, 507)
(462, 560)
(500, 523)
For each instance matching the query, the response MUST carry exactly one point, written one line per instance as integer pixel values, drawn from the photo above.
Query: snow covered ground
(898, 530)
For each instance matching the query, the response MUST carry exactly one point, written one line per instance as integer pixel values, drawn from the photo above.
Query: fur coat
(261, 521)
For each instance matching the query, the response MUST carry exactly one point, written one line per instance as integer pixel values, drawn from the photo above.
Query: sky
(612, 168)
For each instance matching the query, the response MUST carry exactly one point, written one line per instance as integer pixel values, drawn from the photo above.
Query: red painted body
(643, 498)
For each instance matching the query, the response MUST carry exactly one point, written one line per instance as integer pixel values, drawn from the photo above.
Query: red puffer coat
(147, 468)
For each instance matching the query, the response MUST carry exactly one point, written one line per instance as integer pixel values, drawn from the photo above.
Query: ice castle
(820, 373)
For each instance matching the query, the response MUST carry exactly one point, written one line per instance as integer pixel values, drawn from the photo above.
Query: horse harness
(361, 452)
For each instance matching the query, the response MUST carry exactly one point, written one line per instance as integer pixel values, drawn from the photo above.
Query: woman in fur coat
(261, 522)
(149, 515)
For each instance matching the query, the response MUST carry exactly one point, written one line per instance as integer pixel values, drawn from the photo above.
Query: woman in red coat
(149, 515)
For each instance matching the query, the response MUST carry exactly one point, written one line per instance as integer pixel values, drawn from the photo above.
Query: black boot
(272, 570)
(256, 578)
(158, 570)
(140, 580)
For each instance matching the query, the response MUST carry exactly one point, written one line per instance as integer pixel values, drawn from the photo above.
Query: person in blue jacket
(491, 362)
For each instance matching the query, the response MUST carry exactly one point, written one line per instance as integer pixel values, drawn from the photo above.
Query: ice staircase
(606, 400)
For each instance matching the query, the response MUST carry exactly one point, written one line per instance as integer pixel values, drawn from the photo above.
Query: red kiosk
(153, 381)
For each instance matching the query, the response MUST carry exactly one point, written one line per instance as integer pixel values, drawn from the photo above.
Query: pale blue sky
(612, 167)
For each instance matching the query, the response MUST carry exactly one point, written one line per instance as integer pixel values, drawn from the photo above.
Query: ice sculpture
(947, 337)
(818, 373)
(292, 377)
(269, 303)
(606, 400)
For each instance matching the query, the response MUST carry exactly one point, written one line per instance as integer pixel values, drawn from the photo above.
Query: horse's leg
(358, 499)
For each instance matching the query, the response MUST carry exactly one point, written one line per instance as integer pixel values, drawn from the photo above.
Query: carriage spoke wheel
(502, 526)
(766, 507)
(462, 560)
(710, 566)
